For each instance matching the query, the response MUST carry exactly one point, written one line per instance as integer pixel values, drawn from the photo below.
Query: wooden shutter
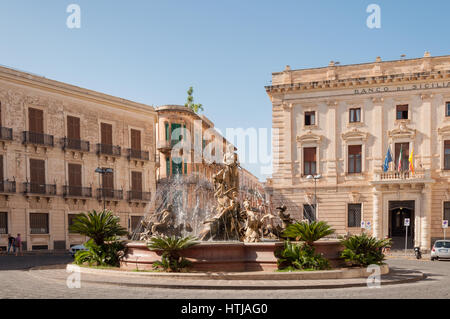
(75, 175)
(108, 180)
(73, 128)
(1, 169)
(106, 134)
(136, 181)
(354, 150)
(309, 154)
(37, 171)
(135, 140)
(36, 120)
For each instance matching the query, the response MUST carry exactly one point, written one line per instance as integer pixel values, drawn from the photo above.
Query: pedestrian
(18, 245)
(11, 245)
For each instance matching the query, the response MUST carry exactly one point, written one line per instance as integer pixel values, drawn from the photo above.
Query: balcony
(138, 196)
(7, 187)
(38, 139)
(403, 177)
(77, 192)
(39, 189)
(6, 134)
(164, 146)
(106, 149)
(76, 145)
(138, 155)
(109, 194)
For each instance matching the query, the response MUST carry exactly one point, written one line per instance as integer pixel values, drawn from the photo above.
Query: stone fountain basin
(225, 256)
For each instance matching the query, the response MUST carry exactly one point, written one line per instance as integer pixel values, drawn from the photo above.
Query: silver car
(73, 250)
(441, 249)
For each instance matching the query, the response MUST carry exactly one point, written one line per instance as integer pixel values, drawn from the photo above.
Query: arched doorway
(398, 211)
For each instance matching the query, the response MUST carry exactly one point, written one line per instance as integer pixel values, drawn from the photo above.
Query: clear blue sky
(152, 51)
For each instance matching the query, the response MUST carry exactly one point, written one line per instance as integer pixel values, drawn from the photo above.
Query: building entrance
(398, 211)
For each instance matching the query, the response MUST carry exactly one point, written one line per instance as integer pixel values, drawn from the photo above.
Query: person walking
(11, 245)
(18, 245)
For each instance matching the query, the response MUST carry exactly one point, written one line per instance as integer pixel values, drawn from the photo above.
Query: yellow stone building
(53, 138)
(336, 123)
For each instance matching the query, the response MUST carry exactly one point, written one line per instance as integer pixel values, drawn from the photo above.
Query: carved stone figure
(270, 229)
(252, 225)
(286, 219)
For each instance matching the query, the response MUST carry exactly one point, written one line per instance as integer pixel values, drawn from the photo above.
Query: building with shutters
(339, 121)
(54, 136)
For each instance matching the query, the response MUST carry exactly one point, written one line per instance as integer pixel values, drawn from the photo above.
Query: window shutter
(136, 181)
(37, 171)
(75, 175)
(1, 169)
(310, 154)
(106, 134)
(73, 128)
(36, 120)
(135, 140)
(108, 180)
(354, 150)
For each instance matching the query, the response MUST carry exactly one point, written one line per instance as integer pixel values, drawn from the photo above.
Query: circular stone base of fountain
(225, 256)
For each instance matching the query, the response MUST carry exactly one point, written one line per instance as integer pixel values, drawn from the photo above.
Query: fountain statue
(253, 224)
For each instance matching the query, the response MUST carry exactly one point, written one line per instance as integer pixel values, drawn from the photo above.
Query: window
(309, 161)
(37, 176)
(39, 223)
(74, 179)
(404, 149)
(3, 223)
(354, 159)
(73, 128)
(135, 140)
(402, 112)
(355, 115)
(447, 109)
(354, 215)
(310, 118)
(135, 222)
(106, 134)
(70, 220)
(309, 212)
(36, 120)
(446, 210)
(447, 155)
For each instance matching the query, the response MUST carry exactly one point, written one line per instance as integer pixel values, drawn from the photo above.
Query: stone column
(425, 215)
(377, 215)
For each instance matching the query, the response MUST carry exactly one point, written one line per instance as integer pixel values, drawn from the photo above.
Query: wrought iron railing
(77, 191)
(41, 189)
(139, 196)
(138, 154)
(108, 149)
(6, 133)
(38, 139)
(109, 193)
(78, 145)
(7, 186)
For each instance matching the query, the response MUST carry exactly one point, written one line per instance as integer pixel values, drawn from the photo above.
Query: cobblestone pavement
(17, 282)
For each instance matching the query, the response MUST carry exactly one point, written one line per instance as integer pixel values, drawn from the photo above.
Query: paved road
(17, 282)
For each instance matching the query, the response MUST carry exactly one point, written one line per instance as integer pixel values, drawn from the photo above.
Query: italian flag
(399, 166)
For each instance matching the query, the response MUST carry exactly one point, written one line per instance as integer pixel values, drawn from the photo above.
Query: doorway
(398, 212)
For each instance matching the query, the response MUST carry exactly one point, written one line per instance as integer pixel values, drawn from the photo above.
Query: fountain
(233, 237)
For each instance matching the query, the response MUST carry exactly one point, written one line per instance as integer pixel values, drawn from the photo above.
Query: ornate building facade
(54, 137)
(337, 123)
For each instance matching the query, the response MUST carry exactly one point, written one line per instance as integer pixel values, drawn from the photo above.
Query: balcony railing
(39, 189)
(138, 154)
(77, 191)
(37, 139)
(6, 133)
(139, 196)
(7, 186)
(107, 149)
(395, 176)
(109, 194)
(78, 145)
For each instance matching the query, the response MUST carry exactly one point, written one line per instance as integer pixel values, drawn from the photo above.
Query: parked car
(73, 250)
(441, 249)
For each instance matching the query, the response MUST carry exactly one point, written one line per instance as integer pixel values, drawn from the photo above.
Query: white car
(441, 249)
(73, 250)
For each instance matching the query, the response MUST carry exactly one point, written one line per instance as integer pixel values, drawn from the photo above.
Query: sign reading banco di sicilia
(412, 87)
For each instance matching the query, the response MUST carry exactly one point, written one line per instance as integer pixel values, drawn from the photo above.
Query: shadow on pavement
(11, 262)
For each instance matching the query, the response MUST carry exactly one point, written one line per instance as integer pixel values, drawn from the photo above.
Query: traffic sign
(445, 224)
(407, 222)
(363, 224)
(368, 226)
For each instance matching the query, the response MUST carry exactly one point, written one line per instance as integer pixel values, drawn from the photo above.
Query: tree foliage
(190, 102)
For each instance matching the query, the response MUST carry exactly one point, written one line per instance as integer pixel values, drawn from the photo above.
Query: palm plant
(308, 232)
(300, 257)
(101, 227)
(190, 102)
(362, 250)
(171, 247)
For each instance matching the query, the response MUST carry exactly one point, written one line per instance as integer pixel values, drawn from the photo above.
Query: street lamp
(315, 178)
(103, 171)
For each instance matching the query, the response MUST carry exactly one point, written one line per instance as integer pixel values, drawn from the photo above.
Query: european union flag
(387, 160)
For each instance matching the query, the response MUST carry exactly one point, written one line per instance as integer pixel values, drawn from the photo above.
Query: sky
(153, 51)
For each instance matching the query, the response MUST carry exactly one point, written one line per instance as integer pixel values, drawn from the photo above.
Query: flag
(411, 161)
(387, 160)
(400, 157)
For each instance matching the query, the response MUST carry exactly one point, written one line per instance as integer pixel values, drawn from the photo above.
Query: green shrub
(307, 232)
(300, 257)
(171, 247)
(107, 254)
(362, 250)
